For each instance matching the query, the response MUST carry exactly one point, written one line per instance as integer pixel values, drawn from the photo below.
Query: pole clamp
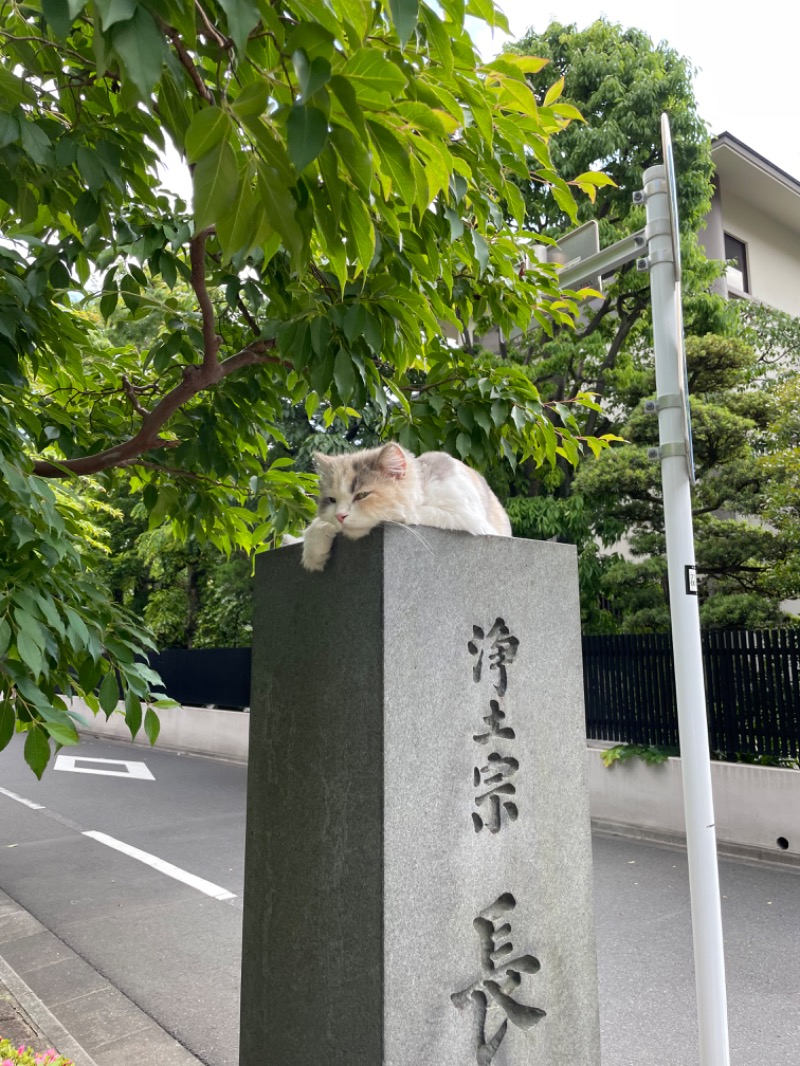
(652, 188)
(667, 451)
(663, 403)
(657, 227)
(661, 255)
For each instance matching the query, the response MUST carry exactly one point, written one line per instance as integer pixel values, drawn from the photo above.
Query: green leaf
(438, 38)
(86, 210)
(152, 725)
(9, 129)
(405, 14)
(395, 161)
(35, 142)
(216, 181)
(311, 76)
(58, 17)
(553, 93)
(61, 733)
(280, 208)
(252, 100)
(113, 11)
(499, 412)
(360, 228)
(109, 693)
(7, 722)
(369, 69)
(481, 250)
(30, 653)
(37, 750)
(306, 132)
(344, 375)
(140, 45)
(30, 627)
(206, 130)
(242, 18)
(108, 303)
(91, 169)
(13, 90)
(133, 713)
(565, 201)
(238, 227)
(5, 636)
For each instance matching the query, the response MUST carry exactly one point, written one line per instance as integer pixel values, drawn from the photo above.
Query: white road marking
(137, 770)
(21, 799)
(164, 867)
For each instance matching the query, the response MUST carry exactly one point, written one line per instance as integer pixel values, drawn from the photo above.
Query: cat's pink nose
(342, 517)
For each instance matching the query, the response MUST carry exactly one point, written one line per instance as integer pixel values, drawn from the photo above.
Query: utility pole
(662, 261)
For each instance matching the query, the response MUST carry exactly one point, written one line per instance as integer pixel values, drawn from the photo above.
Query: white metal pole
(693, 729)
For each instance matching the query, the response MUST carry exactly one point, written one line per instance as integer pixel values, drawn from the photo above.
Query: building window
(736, 255)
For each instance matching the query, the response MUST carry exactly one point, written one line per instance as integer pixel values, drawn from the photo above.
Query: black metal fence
(206, 677)
(752, 690)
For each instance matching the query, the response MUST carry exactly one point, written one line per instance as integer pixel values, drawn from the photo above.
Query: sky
(747, 58)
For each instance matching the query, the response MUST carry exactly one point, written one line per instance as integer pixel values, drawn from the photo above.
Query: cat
(387, 484)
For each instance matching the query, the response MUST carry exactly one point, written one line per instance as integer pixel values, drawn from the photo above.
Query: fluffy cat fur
(387, 484)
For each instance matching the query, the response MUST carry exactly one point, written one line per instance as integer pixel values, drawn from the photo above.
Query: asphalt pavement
(124, 945)
(165, 945)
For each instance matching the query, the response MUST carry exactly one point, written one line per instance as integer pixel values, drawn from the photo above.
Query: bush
(26, 1056)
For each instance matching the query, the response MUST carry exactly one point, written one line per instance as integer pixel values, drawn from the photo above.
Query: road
(173, 946)
(169, 947)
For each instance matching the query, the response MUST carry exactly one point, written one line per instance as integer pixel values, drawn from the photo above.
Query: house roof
(749, 175)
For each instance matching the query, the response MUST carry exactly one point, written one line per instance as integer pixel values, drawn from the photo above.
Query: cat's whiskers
(414, 532)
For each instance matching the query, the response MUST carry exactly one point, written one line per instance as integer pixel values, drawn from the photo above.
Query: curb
(36, 1017)
(70, 1005)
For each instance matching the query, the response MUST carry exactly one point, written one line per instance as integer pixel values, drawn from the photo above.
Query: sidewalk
(16, 1026)
(52, 998)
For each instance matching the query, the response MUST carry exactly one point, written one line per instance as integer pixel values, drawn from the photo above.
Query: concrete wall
(200, 730)
(773, 253)
(755, 806)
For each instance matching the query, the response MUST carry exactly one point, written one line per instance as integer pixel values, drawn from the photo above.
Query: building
(754, 221)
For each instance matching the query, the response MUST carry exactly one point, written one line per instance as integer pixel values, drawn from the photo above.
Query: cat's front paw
(314, 560)
(317, 543)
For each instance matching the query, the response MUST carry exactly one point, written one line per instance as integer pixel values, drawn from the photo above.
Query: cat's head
(359, 491)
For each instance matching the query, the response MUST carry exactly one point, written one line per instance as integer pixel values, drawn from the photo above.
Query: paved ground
(136, 965)
(156, 947)
(647, 994)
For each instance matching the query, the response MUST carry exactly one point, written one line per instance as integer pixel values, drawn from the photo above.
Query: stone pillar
(418, 864)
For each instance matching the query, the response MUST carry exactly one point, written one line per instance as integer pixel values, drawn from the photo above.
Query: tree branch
(212, 29)
(197, 257)
(131, 392)
(188, 63)
(195, 380)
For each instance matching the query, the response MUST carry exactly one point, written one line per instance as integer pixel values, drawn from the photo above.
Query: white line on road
(21, 799)
(164, 867)
(136, 770)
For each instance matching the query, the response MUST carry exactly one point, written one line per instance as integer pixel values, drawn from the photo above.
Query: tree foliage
(747, 564)
(622, 82)
(357, 177)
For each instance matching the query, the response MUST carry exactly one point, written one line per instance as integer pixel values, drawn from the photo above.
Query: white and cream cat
(388, 484)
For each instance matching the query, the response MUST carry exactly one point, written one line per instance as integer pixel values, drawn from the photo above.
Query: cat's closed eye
(361, 496)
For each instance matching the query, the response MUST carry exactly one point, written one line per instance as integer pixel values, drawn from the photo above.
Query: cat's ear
(392, 461)
(321, 461)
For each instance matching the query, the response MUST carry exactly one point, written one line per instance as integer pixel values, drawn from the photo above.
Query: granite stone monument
(418, 865)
